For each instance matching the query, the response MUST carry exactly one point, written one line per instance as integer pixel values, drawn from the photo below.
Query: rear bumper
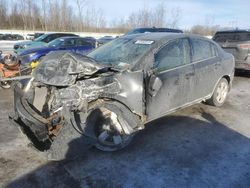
(243, 65)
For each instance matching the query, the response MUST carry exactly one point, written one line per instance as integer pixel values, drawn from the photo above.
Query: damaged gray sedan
(109, 95)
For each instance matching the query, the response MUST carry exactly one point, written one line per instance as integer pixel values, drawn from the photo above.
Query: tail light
(244, 46)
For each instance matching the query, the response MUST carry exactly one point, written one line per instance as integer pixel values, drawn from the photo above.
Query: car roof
(74, 37)
(156, 28)
(60, 34)
(233, 31)
(159, 36)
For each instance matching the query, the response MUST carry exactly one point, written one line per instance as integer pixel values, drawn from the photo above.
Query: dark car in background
(152, 30)
(36, 35)
(104, 40)
(236, 42)
(73, 44)
(110, 94)
(40, 41)
(11, 37)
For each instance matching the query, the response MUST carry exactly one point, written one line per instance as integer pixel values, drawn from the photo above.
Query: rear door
(207, 65)
(172, 83)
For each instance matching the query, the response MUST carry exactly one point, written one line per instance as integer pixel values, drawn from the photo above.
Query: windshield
(41, 38)
(56, 43)
(122, 51)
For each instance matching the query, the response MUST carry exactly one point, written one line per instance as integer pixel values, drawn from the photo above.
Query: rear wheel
(220, 93)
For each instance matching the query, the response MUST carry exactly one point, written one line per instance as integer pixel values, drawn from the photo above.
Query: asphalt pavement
(200, 146)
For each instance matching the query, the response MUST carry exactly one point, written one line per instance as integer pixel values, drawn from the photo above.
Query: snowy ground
(201, 146)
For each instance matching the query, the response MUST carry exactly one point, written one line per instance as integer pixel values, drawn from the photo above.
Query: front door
(172, 83)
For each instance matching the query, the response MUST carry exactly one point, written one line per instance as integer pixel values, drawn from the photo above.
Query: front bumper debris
(39, 130)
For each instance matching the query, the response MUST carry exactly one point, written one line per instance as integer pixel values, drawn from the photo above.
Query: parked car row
(33, 36)
(109, 94)
(43, 40)
(74, 44)
(11, 37)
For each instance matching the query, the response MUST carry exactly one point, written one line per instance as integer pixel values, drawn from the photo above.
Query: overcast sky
(225, 13)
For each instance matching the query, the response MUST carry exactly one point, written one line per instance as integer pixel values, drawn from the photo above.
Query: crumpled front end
(48, 114)
(39, 127)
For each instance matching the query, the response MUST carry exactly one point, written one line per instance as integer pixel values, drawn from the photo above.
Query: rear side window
(82, 42)
(203, 49)
(174, 54)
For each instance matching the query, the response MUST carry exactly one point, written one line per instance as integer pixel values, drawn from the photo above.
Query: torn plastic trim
(39, 130)
(27, 115)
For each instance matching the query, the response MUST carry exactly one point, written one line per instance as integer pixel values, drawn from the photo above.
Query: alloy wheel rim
(109, 135)
(221, 93)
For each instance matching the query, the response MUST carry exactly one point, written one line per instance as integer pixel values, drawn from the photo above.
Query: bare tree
(3, 13)
(175, 17)
(43, 18)
(80, 6)
(60, 15)
(159, 16)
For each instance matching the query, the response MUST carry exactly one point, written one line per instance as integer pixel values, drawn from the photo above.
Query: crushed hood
(63, 68)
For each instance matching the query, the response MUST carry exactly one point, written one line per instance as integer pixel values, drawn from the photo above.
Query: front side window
(69, 42)
(41, 38)
(49, 38)
(202, 50)
(56, 43)
(174, 54)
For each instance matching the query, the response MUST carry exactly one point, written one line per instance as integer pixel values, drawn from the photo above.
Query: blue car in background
(43, 40)
(74, 44)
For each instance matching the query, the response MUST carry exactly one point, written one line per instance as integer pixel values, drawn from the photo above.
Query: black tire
(105, 116)
(220, 93)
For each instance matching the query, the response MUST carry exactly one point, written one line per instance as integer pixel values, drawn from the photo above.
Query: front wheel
(220, 93)
(114, 125)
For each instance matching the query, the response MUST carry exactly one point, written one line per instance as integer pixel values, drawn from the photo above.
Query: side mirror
(155, 84)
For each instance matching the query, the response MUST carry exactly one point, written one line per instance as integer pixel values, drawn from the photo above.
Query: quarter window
(174, 54)
(202, 50)
(214, 49)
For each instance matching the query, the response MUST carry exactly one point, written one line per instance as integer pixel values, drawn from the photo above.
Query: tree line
(81, 16)
(77, 15)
